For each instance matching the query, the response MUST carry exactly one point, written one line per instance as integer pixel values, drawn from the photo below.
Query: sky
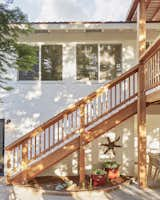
(74, 10)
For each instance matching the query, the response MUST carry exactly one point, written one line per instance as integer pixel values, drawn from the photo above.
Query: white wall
(34, 102)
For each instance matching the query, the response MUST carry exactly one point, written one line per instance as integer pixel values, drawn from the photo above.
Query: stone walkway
(130, 192)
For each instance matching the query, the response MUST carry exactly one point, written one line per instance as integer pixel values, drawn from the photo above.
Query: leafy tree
(12, 54)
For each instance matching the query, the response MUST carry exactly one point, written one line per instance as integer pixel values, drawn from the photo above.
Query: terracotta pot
(112, 173)
(98, 180)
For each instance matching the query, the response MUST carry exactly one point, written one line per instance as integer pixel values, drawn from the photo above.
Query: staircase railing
(62, 127)
(151, 62)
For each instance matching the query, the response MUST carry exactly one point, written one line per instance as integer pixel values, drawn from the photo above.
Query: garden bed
(50, 183)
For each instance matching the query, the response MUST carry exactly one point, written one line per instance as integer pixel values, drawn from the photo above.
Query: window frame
(39, 45)
(40, 62)
(98, 60)
(77, 43)
(38, 79)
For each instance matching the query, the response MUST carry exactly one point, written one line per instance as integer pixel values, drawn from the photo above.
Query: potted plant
(112, 169)
(98, 177)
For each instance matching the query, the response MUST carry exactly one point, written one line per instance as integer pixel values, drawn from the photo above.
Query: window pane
(31, 74)
(52, 62)
(110, 61)
(87, 62)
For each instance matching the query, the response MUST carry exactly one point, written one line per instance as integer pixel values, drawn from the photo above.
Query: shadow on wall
(30, 104)
(94, 153)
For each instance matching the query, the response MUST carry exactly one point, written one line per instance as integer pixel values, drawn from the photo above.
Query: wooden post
(25, 160)
(141, 27)
(8, 182)
(82, 150)
(141, 116)
(141, 105)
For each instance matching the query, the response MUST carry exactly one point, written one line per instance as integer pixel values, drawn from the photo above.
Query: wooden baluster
(87, 113)
(49, 137)
(53, 134)
(72, 120)
(120, 91)
(30, 152)
(115, 95)
(101, 102)
(44, 141)
(147, 75)
(158, 60)
(124, 89)
(35, 144)
(8, 181)
(58, 130)
(25, 160)
(129, 87)
(154, 69)
(152, 82)
(106, 100)
(134, 84)
(63, 128)
(92, 111)
(82, 150)
(14, 159)
(76, 119)
(40, 148)
(110, 98)
(150, 73)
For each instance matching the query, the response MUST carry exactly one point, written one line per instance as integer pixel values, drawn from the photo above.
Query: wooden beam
(148, 4)
(132, 10)
(156, 13)
(141, 27)
(82, 147)
(141, 117)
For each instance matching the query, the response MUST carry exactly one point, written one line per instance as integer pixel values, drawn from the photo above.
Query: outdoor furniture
(154, 162)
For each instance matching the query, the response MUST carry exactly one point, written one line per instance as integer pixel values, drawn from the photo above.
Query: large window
(51, 62)
(104, 60)
(110, 61)
(87, 62)
(32, 74)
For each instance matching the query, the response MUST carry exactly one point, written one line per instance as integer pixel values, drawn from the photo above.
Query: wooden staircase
(90, 117)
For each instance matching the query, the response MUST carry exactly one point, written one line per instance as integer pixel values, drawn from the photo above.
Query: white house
(73, 60)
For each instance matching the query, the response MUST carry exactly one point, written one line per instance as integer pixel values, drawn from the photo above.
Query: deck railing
(60, 128)
(151, 62)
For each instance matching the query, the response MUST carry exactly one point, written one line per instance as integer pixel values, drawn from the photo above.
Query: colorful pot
(98, 180)
(112, 173)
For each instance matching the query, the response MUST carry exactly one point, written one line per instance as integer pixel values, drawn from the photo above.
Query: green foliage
(111, 165)
(12, 54)
(99, 171)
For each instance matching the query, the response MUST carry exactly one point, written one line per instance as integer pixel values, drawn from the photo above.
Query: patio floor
(129, 192)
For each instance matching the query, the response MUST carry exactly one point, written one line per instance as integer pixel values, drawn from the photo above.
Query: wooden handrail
(71, 108)
(150, 51)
